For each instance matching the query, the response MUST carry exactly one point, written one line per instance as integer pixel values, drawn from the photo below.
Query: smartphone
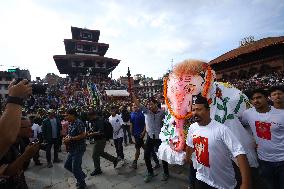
(18, 80)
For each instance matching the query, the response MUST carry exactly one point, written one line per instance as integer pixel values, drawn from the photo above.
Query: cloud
(144, 35)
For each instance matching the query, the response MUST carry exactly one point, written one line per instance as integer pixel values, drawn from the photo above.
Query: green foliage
(220, 107)
(230, 116)
(218, 118)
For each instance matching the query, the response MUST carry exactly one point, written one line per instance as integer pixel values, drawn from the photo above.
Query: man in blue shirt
(76, 146)
(154, 122)
(138, 130)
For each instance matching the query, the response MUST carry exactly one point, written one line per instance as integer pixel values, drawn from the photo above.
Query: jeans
(272, 174)
(73, 164)
(55, 143)
(150, 146)
(119, 147)
(98, 151)
(126, 128)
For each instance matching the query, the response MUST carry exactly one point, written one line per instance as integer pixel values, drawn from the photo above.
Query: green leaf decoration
(226, 99)
(218, 118)
(239, 104)
(168, 116)
(220, 107)
(165, 133)
(230, 116)
(172, 132)
(167, 126)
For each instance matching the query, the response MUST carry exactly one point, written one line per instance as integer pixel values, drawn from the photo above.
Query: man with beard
(267, 126)
(277, 97)
(213, 143)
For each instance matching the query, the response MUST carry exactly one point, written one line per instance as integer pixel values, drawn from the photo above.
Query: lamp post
(129, 82)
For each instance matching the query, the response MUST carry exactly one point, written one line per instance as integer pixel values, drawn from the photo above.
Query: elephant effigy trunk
(179, 145)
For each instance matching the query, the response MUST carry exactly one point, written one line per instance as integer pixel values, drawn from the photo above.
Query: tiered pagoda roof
(84, 54)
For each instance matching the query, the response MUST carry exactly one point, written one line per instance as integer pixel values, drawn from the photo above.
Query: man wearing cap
(213, 143)
(51, 129)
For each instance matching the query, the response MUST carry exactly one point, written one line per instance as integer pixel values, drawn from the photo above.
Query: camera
(36, 88)
(42, 145)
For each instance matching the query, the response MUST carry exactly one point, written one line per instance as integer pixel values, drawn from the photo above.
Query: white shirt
(214, 144)
(36, 130)
(268, 131)
(245, 137)
(116, 123)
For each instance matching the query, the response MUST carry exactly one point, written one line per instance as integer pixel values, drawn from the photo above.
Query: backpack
(108, 130)
(125, 116)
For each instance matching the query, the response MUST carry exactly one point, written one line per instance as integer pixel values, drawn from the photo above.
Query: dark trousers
(55, 143)
(202, 185)
(98, 151)
(256, 180)
(150, 146)
(36, 157)
(191, 176)
(155, 157)
(73, 164)
(126, 128)
(272, 174)
(119, 147)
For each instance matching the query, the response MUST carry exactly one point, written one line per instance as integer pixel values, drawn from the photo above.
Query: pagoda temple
(85, 55)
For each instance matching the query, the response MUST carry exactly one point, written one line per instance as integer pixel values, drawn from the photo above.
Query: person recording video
(10, 120)
(16, 159)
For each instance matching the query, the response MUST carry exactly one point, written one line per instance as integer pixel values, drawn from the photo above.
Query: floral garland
(204, 93)
(208, 81)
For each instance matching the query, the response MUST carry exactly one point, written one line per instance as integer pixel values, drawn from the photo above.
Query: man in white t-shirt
(214, 144)
(116, 123)
(267, 126)
(36, 135)
(277, 97)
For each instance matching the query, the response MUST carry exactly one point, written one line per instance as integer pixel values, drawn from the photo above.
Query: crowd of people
(67, 115)
(257, 81)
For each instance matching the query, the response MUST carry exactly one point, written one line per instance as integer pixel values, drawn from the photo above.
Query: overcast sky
(145, 35)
